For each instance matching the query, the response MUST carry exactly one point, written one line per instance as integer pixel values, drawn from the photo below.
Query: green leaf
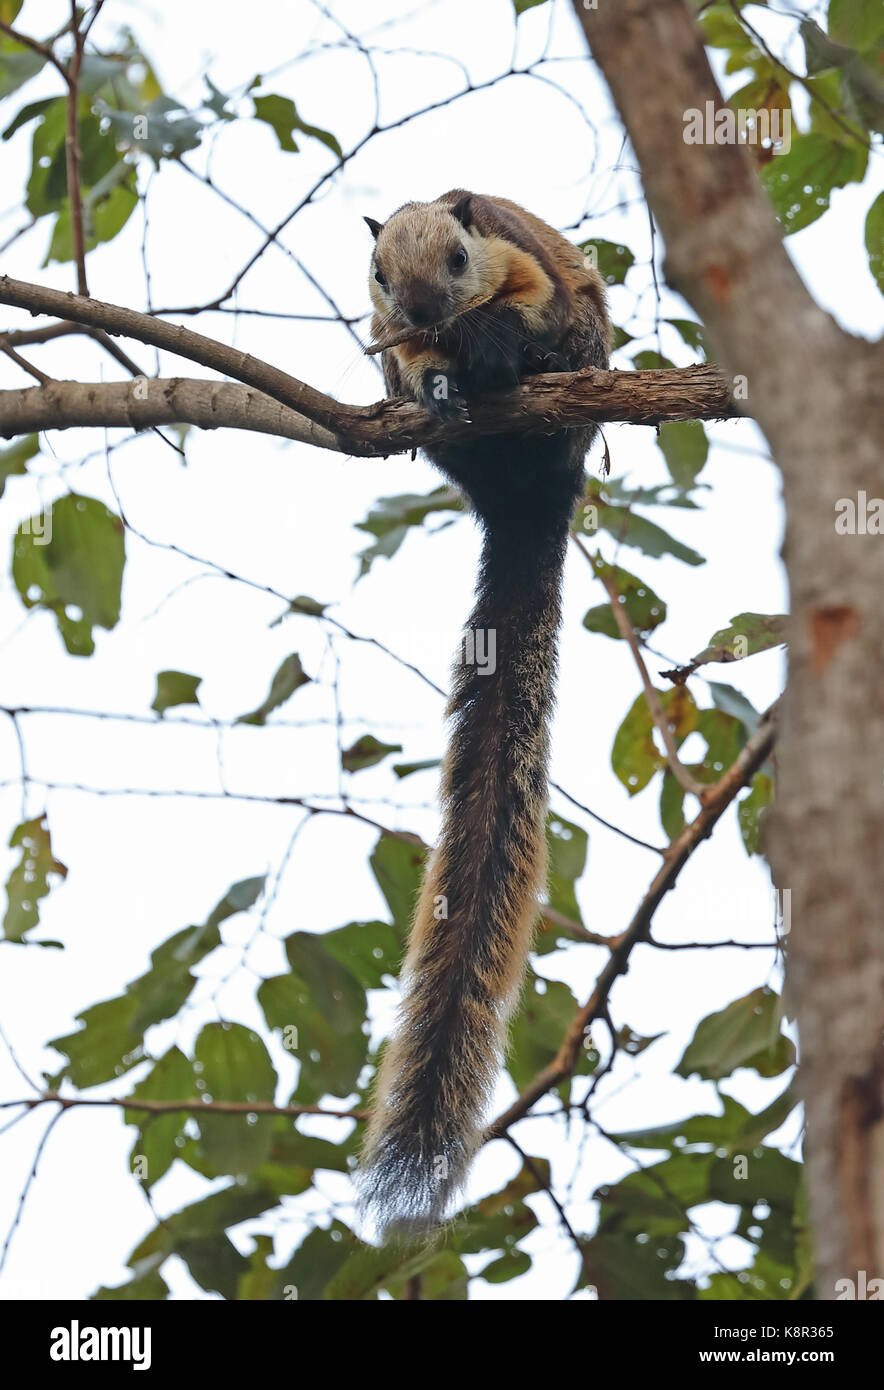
(18, 64)
(610, 258)
(196, 1234)
(634, 755)
(104, 1047)
(146, 1285)
(216, 101)
(656, 1199)
(162, 129)
(308, 606)
(650, 361)
(366, 752)
(706, 1132)
(875, 240)
(645, 609)
(856, 22)
(398, 867)
(724, 737)
(292, 1149)
(692, 333)
(672, 794)
(628, 527)
(566, 850)
(316, 1262)
(616, 490)
(734, 702)
(27, 113)
(684, 446)
(158, 1143)
(750, 811)
(233, 1064)
(620, 1268)
(722, 29)
(745, 1034)
(78, 573)
(29, 880)
(735, 1130)
(747, 634)
(770, 1177)
(320, 1006)
(762, 1175)
(369, 950)
(801, 182)
(754, 1128)
(520, 6)
(406, 769)
(13, 459)
(443, 1280)
(175, 688)
(289, 678)
(369, 1269)
(389, 521)
(632, 1043)
(281, 115)
(546, 1010)
(102, 220)
(258, 1284)
(501, 1220)
(47, 182)
(506, 1267)
(111, 1040)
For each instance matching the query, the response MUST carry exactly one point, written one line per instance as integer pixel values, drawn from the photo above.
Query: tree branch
(72, 151)
(147, 401)
(718, 798)
(171, 1107)
(388, 427)
(566, 399)
(652, 699)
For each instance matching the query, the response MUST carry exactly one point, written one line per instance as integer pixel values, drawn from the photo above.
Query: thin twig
(72, 152)
(717, 800)
(172, 1107)
(607, 576)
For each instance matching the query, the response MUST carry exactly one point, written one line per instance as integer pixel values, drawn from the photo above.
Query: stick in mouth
(403, 336)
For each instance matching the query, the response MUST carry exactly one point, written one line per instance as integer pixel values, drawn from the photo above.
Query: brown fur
(464, 966)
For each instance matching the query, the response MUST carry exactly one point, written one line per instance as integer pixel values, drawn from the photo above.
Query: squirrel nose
(425, 312)
(424, 306)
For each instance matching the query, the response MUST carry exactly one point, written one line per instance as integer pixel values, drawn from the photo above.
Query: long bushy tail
(477, 908)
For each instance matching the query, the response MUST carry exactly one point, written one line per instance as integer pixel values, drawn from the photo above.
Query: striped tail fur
(477, 908)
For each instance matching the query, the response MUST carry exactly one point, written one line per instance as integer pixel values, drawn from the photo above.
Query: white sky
(283, 516)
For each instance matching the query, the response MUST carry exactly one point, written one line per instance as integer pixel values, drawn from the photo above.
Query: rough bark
(387, 427)
(815, 391)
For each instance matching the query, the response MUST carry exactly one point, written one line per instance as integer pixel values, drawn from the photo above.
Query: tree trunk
(816, 393)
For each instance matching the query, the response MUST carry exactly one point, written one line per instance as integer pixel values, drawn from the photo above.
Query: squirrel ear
(375, 227)
(463, 210)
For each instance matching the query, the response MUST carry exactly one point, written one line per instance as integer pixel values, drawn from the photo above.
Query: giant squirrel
(497, 295)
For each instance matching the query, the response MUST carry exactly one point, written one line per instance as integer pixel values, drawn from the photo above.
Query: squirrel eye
(459, 259)
(380, 279)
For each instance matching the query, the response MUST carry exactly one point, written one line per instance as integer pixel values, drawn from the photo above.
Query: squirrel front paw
(441, 395)
(538, 358)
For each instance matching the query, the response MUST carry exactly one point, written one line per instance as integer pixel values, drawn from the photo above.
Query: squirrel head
(428, 264)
